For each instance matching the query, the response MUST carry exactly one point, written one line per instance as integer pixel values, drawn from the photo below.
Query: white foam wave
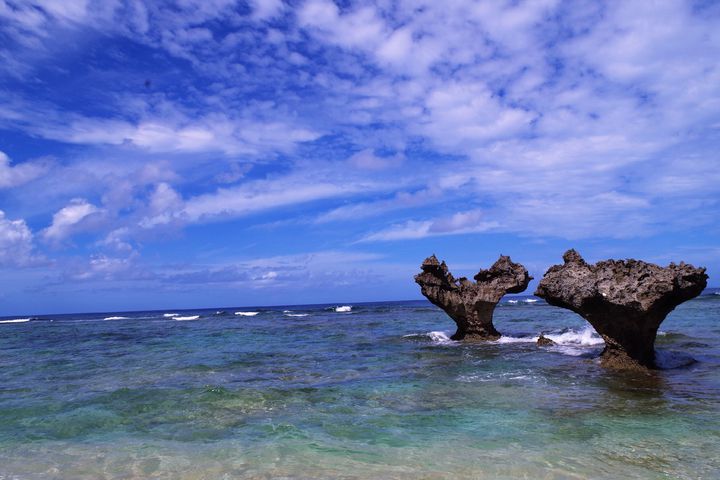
(16, 320)
(498, 377)
(439, 337)
(572, 351)
(586, 337)
(507, 339)
(190, 317)
(297, 314)
(343, 309)
(116, 318)
(512, 301)
(287, 311)
(169, 315)
(436, 337)
(530, 300)
(247, 314)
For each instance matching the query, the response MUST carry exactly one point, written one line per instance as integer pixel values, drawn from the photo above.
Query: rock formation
(544, 341)
(469, 304)
(624, 300)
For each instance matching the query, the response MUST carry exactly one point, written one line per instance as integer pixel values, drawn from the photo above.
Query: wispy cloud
(471, 221)
(14, 176)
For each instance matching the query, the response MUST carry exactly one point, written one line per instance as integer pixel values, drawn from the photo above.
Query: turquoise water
(378, 392)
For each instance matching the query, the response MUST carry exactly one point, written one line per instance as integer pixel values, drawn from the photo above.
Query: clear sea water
(377, 392)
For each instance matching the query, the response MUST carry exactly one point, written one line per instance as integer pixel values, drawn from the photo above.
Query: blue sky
(209, 153)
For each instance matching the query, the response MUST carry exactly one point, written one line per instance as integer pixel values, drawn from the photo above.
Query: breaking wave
(344, 309)
(16, 320)
(246, 314)
(435, 337)
(586, 337)
(116, 318)
(569, 342)
(190, 317)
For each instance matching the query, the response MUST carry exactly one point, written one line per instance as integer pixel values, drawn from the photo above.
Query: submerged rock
(624, 300)
(544, 341)
(471, 304)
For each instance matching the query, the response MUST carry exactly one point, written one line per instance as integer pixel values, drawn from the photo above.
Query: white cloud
(14, 176)
(16, 243)
(266, 9)
(400, 201)
(69, 219)
(562, 119)
(367, 160)
(472, 221)
(164, 207)
(214, 133)
(258, 196)
(397, 47)
(361, 27)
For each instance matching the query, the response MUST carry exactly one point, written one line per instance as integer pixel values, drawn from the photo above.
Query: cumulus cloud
(16, 243)
(69, 220)
(358, 28)
(164, 206)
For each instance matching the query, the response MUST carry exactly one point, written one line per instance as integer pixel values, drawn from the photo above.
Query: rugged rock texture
(470, 304)
(624, 300)
(543, 341)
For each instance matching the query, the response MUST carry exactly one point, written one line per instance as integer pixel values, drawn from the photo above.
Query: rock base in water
(543, 341)
(471, 304)
(624, 300)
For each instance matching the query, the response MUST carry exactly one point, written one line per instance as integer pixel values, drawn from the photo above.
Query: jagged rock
(471, 304)
(624, 300)
(544, 341)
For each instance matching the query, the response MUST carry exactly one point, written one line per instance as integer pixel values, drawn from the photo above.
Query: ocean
(375, 391)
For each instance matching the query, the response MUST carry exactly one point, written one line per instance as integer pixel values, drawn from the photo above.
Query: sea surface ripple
(378, 391)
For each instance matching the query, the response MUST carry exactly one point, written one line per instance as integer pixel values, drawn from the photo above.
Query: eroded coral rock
(624, 300)
(471, 304)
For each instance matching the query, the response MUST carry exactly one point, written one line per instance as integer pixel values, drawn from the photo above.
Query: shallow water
(377, 392)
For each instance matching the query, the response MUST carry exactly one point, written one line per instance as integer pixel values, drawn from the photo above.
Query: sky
(211, 153)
